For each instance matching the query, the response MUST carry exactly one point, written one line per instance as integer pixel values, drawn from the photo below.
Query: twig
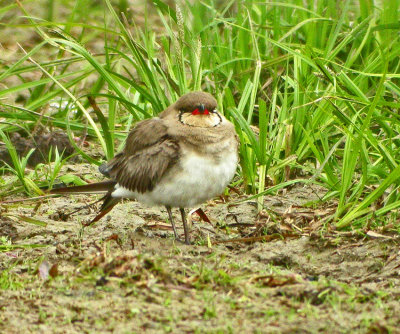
(28, 199)
(259, 238)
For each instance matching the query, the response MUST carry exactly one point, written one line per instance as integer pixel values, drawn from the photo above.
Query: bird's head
(198, 109)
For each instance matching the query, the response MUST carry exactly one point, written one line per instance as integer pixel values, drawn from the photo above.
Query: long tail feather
(108, 204)
(98, 187)
(105, 186)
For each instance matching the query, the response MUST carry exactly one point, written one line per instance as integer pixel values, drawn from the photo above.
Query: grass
(320, 82)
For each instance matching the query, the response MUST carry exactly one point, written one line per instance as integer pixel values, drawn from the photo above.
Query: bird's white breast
(194, 180)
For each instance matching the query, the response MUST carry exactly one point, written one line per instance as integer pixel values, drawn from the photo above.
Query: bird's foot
(186, 241)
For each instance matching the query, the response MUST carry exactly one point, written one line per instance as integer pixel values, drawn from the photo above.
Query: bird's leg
(185, 226)
(172, 221)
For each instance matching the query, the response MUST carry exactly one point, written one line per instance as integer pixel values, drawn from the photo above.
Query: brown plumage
(180, 159)
(148, 154)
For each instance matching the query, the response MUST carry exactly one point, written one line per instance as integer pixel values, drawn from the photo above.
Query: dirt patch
(42, 142)
(127, 274)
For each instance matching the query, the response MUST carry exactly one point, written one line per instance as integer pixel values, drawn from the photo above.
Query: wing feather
(148, 154)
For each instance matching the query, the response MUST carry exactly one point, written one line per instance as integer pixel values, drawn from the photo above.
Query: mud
(127, 274)
(42, 142)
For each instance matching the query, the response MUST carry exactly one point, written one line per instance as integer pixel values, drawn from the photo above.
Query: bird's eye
(200, 111)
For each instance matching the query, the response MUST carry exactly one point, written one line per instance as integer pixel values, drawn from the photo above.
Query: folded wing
(149, 153)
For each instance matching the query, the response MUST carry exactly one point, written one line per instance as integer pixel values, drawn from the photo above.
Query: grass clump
(312, 88)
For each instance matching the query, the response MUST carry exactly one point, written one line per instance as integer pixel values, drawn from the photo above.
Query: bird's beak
(201, 108)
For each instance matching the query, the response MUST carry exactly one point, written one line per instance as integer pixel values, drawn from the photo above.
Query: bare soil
(42, 142)
(245, 273)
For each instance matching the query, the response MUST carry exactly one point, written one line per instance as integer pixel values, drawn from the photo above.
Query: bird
(185, 156)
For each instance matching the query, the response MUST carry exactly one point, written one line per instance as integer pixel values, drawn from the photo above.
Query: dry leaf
(44, 269)
(54, 270)
(373, 234)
